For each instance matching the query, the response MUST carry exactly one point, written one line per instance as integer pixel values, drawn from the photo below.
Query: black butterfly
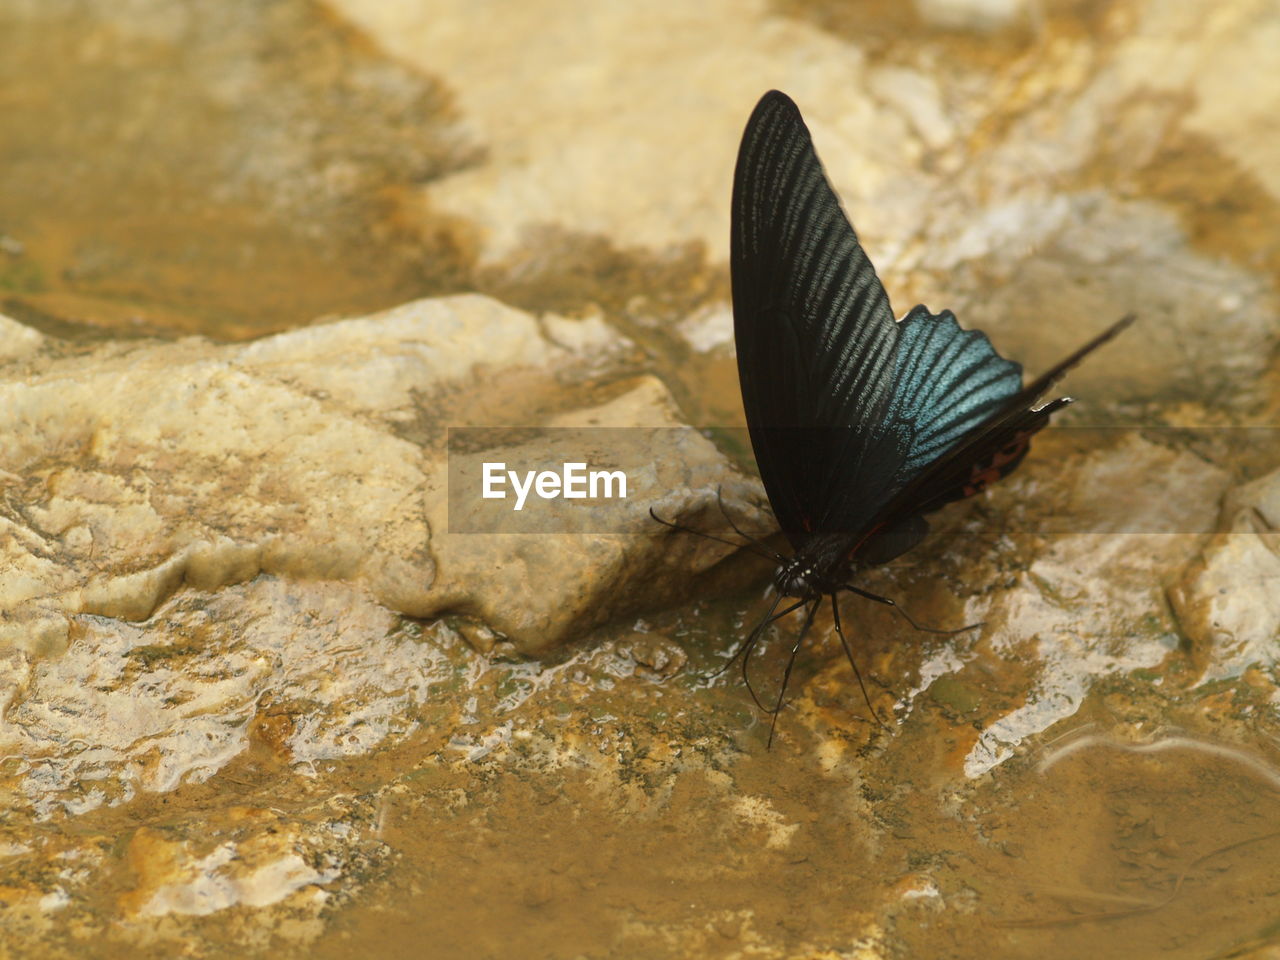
(860, 424)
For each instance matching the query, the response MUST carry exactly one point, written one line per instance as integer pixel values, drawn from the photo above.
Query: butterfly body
(821, 567)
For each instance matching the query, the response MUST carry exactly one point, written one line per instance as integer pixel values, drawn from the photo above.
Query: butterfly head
(798, 577)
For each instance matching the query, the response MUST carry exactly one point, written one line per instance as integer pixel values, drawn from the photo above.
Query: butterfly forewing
(813, 327)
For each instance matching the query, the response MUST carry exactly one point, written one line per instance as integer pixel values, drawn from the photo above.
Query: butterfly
(860, 424)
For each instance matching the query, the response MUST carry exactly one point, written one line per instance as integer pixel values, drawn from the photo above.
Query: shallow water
(174, 169)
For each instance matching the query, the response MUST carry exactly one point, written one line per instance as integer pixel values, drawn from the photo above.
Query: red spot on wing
(1001, 462)
(853, 550)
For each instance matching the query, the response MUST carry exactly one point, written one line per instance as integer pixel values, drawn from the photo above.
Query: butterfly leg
(835, 613)
(745, 650)
(906, 616)
(786, 674)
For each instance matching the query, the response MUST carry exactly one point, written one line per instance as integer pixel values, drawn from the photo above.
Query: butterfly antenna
(786, 674)
(848, 652)
(711, 536)
(906, 616)
(750, 539)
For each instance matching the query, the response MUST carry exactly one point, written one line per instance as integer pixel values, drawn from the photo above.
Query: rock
(257, 873)
(295, 456)
(176, 698)
(17, 340)
(1039, 200)
(212, 526)
(680, 126)
(1228, 601)
(979, 15)
(1091, 603)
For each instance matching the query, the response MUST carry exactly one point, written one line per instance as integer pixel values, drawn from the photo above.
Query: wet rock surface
(262, 694)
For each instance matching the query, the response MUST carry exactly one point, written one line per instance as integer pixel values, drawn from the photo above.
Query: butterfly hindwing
(994, 447)
(978, 465)
(947, 382)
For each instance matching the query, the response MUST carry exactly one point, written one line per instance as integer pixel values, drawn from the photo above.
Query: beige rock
(1228, 602)
(604, 143)
(198, 529)
(208, 465)
(979, 15)
(1090, 603)
(149, 706)
(258, 873)
(17, 340)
